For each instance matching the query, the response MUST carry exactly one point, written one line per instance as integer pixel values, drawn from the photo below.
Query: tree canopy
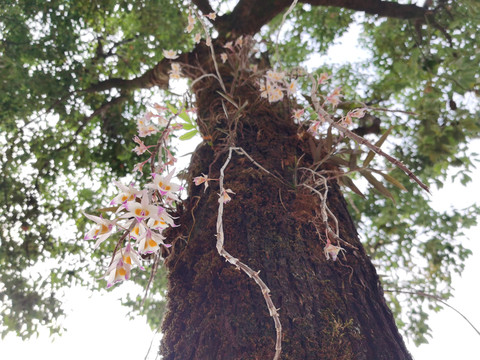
(76, 74)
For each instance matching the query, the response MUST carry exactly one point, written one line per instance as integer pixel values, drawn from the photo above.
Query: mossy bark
(329, 310)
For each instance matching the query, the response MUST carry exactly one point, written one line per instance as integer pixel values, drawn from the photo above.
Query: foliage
(66, 134)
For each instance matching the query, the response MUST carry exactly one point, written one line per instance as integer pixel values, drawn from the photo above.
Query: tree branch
(100, 111)
(204, 6)
(375, 7)
(250, 15)
(156, 76)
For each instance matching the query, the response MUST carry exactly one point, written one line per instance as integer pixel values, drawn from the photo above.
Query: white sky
(98, 327)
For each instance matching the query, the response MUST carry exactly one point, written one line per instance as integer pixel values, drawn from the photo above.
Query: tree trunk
(328, 309)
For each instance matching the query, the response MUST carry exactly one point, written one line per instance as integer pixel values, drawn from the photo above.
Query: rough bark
(329, 310)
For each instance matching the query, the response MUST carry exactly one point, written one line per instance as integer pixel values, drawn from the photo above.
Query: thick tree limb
(100, 111)
(375, 7)
(204, 6)
(250, 15)
(156, 76)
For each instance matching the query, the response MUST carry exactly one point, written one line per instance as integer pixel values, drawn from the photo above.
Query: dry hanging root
(246, 269)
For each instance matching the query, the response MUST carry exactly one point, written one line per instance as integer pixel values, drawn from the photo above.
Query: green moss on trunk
(329, 310)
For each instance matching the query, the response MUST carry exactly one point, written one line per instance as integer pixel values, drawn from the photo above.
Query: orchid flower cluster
(333, 99)
(152, 123)
(142, 221)
(274, 85)
(141, 215)
(176, 70)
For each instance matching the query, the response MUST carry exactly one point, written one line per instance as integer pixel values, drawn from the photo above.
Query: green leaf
(329, 139)
(228, 98)
(171, 108)
(184, 116)
(188, 126)
(188, 135)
